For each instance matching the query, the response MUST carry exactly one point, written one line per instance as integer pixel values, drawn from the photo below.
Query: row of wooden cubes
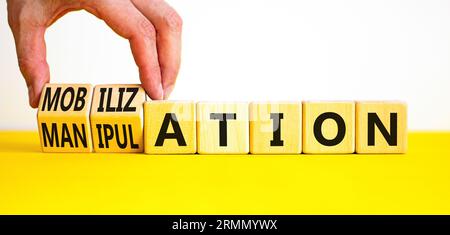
(117, 118)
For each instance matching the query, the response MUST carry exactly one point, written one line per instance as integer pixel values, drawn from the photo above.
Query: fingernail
(167, 92)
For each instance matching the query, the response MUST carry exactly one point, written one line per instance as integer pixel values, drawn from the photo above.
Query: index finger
(128, 22)
(168, 26)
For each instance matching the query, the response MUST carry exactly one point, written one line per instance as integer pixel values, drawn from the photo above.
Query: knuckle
(32, 68)
(147, 29)
(22, 18)
(173, 20)
(28, 14)
(25, 65)
(14, 19)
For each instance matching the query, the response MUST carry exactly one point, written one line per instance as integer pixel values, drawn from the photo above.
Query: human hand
(152, 27)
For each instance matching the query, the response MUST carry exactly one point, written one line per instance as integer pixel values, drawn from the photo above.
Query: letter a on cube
(329, 127)
(117, 118)
(222, 128)
(63, 118)
(169, 127)
(381, 127)
(276, 128)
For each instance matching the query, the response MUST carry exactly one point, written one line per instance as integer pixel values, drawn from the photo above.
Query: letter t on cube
(222, 128)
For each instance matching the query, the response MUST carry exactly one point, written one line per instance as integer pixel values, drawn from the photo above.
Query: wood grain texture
(275, 127)
(236, 140)
(117, 118)
(183, 113)
(384, 111)
(329, 128)
(63, 118)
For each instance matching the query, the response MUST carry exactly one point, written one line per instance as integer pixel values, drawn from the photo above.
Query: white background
(265, 50)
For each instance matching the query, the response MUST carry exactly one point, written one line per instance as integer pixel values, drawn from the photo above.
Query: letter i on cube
(275, 128)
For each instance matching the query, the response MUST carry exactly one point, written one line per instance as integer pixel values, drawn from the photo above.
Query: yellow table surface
(32, 182)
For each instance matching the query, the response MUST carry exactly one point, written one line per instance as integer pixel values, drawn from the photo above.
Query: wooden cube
(63, 118)
(381, 127)
(276, 128)
(222, 128)
(117, 118)
(169, 127)
(328, 127)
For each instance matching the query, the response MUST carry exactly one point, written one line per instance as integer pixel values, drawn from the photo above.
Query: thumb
(31, 56)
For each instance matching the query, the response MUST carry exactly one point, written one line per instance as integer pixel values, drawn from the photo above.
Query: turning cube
(63, 118)
(117, 118)
(328, 127)
(276, 128)
(381, 127)
(169, 127)
(222, 128)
